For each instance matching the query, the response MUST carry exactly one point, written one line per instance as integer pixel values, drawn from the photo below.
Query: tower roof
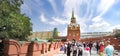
(72, 13)
(73, 19)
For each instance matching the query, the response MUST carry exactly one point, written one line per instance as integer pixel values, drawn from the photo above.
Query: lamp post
(3, 28)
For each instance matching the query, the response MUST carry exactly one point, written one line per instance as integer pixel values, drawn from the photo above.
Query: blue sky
(92, 15)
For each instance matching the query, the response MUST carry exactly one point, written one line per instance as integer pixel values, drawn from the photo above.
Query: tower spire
(73, 19)
(72, 13)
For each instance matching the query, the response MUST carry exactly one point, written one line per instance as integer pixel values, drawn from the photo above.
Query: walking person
(94, 50)
(62, 48)
(84, 44)
(80, 50)
(74, 49)
(87, 51)
(68, 49)
(109, 49)
(102, 48)
(90, 45)
(65, 50)
(97, 47)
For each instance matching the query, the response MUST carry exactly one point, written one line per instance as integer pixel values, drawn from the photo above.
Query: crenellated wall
(13, 48)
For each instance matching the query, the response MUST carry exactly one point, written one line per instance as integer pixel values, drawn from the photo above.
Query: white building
(95, 34)
(116, 31)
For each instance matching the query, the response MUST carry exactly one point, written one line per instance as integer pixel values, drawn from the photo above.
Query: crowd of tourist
(74, 48)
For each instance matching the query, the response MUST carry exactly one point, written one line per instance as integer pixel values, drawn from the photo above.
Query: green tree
(55, 32)
(117, 35)
(51, 40)
(17, 25)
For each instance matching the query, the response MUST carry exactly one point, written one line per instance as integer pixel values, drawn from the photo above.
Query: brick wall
(114, 41)
(13, 48)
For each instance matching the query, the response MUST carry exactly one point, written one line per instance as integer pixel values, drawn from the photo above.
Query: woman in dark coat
(97, 47)
(68, 49)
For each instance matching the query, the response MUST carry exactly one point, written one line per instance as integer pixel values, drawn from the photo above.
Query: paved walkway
(93, 53)
(61, 53)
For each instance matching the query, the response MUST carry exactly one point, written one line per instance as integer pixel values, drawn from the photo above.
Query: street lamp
(4, 27)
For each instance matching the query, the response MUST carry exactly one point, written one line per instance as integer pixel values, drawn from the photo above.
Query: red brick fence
(114, 41)
(13, 48)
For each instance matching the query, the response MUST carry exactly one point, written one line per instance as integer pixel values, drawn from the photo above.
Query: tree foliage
(51, 40)
(117, 35)
(55, 32)
(18, 26)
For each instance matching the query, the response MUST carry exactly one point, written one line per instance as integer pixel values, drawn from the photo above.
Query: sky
(92, 15)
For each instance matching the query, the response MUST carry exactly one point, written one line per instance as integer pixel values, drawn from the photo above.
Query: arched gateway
(73, 30)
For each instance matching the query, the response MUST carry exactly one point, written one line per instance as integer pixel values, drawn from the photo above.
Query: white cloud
(98, 24)
(52, 2)
(25, 9)
(97, 19)
(110, 28)
(52, 23)
(117, 13)
(82, 30)
(104, 6)
(42, 18)
(59, 20)
(68, 5)
(64, 32)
